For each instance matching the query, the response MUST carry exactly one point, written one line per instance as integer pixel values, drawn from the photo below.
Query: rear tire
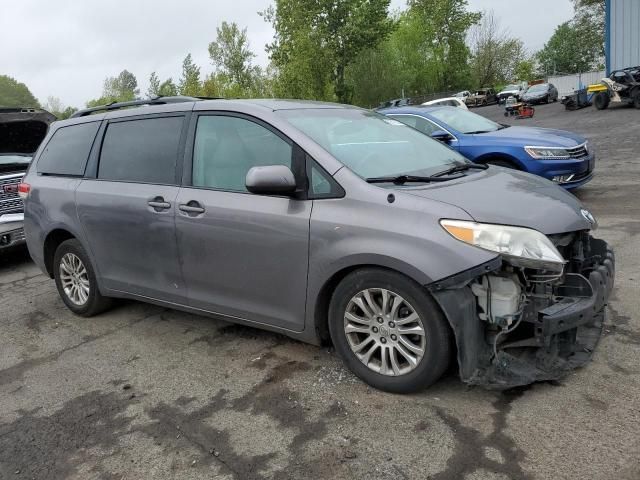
(389, 357)
(76, 280)
(601, 100)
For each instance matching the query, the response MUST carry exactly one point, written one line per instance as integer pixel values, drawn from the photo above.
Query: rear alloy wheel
(389, 331)
(76, 280)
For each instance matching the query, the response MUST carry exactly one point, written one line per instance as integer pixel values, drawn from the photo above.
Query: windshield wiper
(478, 131)
(460, 168)
(402, 179)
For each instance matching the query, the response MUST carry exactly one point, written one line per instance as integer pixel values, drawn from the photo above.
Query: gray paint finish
(265, 260)
(624, 34)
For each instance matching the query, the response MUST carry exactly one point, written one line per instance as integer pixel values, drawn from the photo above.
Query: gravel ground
(146, 392)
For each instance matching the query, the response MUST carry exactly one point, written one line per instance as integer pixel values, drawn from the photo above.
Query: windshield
(537, 88)
(372, 145)
(464, 121)
(511, 87)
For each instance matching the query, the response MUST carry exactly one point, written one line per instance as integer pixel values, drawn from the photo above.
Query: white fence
(566, 84)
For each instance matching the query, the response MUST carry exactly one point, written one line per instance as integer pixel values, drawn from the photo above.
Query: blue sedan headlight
(552, 153)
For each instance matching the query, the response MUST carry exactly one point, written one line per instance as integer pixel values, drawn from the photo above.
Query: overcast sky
(66, 48)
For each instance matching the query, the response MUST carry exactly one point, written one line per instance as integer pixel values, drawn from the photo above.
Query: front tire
(636, 98)
(389, 331)
(76, 280)
(601, 100)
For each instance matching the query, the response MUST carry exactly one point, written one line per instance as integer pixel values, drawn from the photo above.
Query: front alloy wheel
(389, 331)
(384, 331)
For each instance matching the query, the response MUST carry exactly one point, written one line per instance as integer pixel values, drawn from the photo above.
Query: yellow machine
(622, 86)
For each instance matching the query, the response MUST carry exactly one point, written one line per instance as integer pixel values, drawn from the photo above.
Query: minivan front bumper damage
(560, 326)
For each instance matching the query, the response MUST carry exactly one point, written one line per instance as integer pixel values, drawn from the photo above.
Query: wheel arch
(53, 239)
(505, 157)
(320, 312)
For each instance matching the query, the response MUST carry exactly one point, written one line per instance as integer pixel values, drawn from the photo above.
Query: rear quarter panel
(51, 205)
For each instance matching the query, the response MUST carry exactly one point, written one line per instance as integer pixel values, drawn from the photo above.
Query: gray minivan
(324, 222)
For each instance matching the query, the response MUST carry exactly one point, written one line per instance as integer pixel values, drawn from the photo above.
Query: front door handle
(192, 207)
(159, 203)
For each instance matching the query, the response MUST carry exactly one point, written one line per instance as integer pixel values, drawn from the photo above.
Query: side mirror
(271, 180)
(442, 136)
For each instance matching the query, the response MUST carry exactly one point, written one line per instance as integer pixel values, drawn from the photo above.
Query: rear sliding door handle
(191, 207)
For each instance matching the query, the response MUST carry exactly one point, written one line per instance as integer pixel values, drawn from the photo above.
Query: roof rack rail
(134, 103)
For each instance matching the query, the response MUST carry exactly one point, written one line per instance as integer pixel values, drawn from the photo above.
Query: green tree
(525, 70)
(168, 88)
(495, 54)
(441, 27)
(231, 54)
(589, 19)
(15, 94)
(55, 106)
(154, 85)
(190, 80)
(425, 53)
(122, 88)
(316, 40)
(568, 51)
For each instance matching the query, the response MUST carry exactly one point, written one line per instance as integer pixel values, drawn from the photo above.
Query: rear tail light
(23, 190)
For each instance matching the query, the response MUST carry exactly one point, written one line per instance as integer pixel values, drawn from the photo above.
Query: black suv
(21, 132)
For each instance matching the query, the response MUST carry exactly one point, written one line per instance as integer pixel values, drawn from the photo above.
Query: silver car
(327, 223)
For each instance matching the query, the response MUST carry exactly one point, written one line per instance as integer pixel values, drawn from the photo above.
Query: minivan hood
(22, 130)
(509, 197)
(534, 136)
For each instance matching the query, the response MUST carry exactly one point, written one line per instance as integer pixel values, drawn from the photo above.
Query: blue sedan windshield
(370, 144)
(464, 121)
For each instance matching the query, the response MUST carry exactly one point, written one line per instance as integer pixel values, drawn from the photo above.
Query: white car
(449, 102)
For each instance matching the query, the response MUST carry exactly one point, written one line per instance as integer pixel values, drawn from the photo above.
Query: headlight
(548, 152)
(522, 246)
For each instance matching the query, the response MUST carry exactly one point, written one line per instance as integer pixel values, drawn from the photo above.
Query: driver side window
(226, 148)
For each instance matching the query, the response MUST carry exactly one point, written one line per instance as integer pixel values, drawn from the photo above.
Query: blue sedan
(560, 156)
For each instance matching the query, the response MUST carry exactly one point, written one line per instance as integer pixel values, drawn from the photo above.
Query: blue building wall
(622, 37)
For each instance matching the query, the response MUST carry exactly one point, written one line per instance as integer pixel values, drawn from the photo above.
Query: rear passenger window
(67, 151)
(226, 148)
(143, 151)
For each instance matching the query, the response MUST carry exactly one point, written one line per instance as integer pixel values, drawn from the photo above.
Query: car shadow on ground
(13, 257)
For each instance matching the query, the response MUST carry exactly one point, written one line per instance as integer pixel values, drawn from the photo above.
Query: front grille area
(578, 152)
(10, 201)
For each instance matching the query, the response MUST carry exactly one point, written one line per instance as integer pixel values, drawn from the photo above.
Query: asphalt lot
(145, 392)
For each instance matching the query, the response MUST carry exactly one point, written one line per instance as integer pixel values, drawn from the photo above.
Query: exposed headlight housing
(523, 247)
(554, 153)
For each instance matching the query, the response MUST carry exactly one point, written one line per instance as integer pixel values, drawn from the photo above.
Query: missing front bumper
(553, 339)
